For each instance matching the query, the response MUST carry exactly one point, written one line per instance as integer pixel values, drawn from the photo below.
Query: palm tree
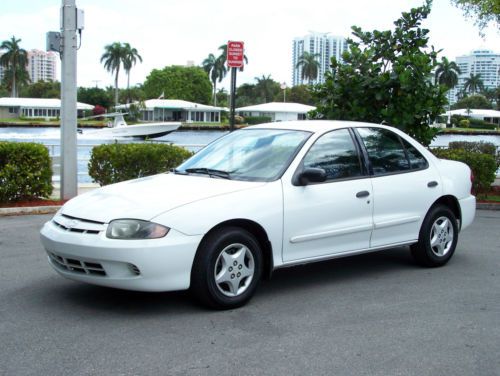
(310, 66)
(474, 83)
(216, 69)
(130, 57)
(265, 87)
(15, 60)
(112, 58)
(447, 73)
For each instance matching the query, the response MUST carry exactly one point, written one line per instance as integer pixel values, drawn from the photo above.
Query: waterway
(192, 140)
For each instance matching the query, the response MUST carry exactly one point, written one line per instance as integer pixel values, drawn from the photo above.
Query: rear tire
(227, 268)
(437, 239)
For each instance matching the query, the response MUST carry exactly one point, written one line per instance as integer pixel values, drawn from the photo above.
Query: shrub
(251, 120)
(25, 171)
(483, 166)
(478, 147)
(464, 123)
(113, 163)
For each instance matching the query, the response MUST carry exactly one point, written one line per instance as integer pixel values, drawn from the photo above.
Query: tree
(95, 96)
(216, 70)
(447, 73)
(484, 11)
(129, 59)
(112, 58)
(473, 83)
(296, 94)
(384, 78)
(14, 60)
(493, 95)
(266, 88)
(178, 82)
(41, 89)
(310, 66)
(475, 101)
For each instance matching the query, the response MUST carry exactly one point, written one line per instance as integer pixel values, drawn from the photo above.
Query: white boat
(119, 128)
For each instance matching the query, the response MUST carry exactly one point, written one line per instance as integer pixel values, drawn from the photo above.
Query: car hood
(148, 197)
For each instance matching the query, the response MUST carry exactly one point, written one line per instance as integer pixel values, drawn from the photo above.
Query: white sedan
(266, 197)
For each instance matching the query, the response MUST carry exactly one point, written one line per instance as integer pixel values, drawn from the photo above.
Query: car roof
(315, 126)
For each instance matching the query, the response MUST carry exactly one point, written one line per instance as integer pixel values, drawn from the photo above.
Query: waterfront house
(176, 110)
(489, 116)
(277, 111)
(35, 108)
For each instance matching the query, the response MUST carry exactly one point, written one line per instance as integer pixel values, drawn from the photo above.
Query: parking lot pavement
(376, 314)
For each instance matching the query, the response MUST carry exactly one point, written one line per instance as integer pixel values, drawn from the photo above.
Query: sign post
(234, 61)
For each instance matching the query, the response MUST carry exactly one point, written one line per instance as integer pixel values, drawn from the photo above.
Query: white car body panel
(302, 223)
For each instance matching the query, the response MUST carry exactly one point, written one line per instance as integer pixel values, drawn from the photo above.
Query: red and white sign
(235, 54)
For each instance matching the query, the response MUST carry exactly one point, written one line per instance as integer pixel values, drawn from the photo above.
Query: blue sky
(177, 31)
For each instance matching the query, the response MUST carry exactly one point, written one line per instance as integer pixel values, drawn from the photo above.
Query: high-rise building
(316, 43)
(486, 63)
(41, 66)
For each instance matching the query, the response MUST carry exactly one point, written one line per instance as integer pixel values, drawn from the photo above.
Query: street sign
(234, 54)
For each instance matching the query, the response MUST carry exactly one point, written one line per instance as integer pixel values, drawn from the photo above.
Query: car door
(404, 186)
(330, 217)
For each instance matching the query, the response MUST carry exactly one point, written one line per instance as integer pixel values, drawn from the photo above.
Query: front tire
(437, 239)
(227, 268)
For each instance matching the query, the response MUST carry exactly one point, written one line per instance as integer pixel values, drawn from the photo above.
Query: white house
(178, 110)
(489, 116)
(277, 111)
(35, 108)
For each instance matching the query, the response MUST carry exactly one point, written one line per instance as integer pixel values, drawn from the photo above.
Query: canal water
(192, 140)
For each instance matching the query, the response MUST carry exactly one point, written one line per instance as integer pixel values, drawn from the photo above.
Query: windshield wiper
(210, 172)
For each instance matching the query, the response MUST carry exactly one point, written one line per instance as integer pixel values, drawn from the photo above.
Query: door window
(385, 151)
(336, 153)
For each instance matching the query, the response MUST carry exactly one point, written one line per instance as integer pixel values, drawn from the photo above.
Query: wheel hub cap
(441, 238)
(234, 270)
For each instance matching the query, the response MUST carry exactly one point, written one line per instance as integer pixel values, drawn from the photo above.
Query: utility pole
(69, 180)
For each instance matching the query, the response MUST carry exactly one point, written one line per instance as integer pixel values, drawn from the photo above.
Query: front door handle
(362, 194)
(432, 184)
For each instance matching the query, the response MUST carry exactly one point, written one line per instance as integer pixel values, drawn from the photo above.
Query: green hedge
(25, 171)
(113, 163)
(251, 120)
(483, 166)
(478, 147)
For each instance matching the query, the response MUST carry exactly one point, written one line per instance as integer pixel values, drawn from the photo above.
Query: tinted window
(336, 154)
(417, 160)
(385, 150)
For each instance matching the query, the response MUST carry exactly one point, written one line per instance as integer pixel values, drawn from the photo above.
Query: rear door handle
(432, 184)
(362, 194)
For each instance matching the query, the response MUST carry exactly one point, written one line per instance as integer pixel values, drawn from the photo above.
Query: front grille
(78, 225)
(77, 266)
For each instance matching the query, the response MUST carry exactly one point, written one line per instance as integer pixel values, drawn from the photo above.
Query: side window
(335, 153)
(385, 151)
(417, 160)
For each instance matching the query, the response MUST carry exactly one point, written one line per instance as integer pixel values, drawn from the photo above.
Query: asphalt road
(376, 314)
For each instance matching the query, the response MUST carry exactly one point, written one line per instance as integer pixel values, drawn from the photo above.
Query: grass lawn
(462, 130)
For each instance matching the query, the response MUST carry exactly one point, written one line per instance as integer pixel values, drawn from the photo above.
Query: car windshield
(252, 155)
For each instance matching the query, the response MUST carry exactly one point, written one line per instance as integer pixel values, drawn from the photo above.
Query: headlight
(135, 229)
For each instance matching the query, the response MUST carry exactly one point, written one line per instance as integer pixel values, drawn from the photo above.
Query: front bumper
(142, 265)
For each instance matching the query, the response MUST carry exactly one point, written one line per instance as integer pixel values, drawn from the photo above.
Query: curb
(487, 206)
(4, 212)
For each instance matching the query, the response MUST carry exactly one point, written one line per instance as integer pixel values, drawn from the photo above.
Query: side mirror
(310, 175)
